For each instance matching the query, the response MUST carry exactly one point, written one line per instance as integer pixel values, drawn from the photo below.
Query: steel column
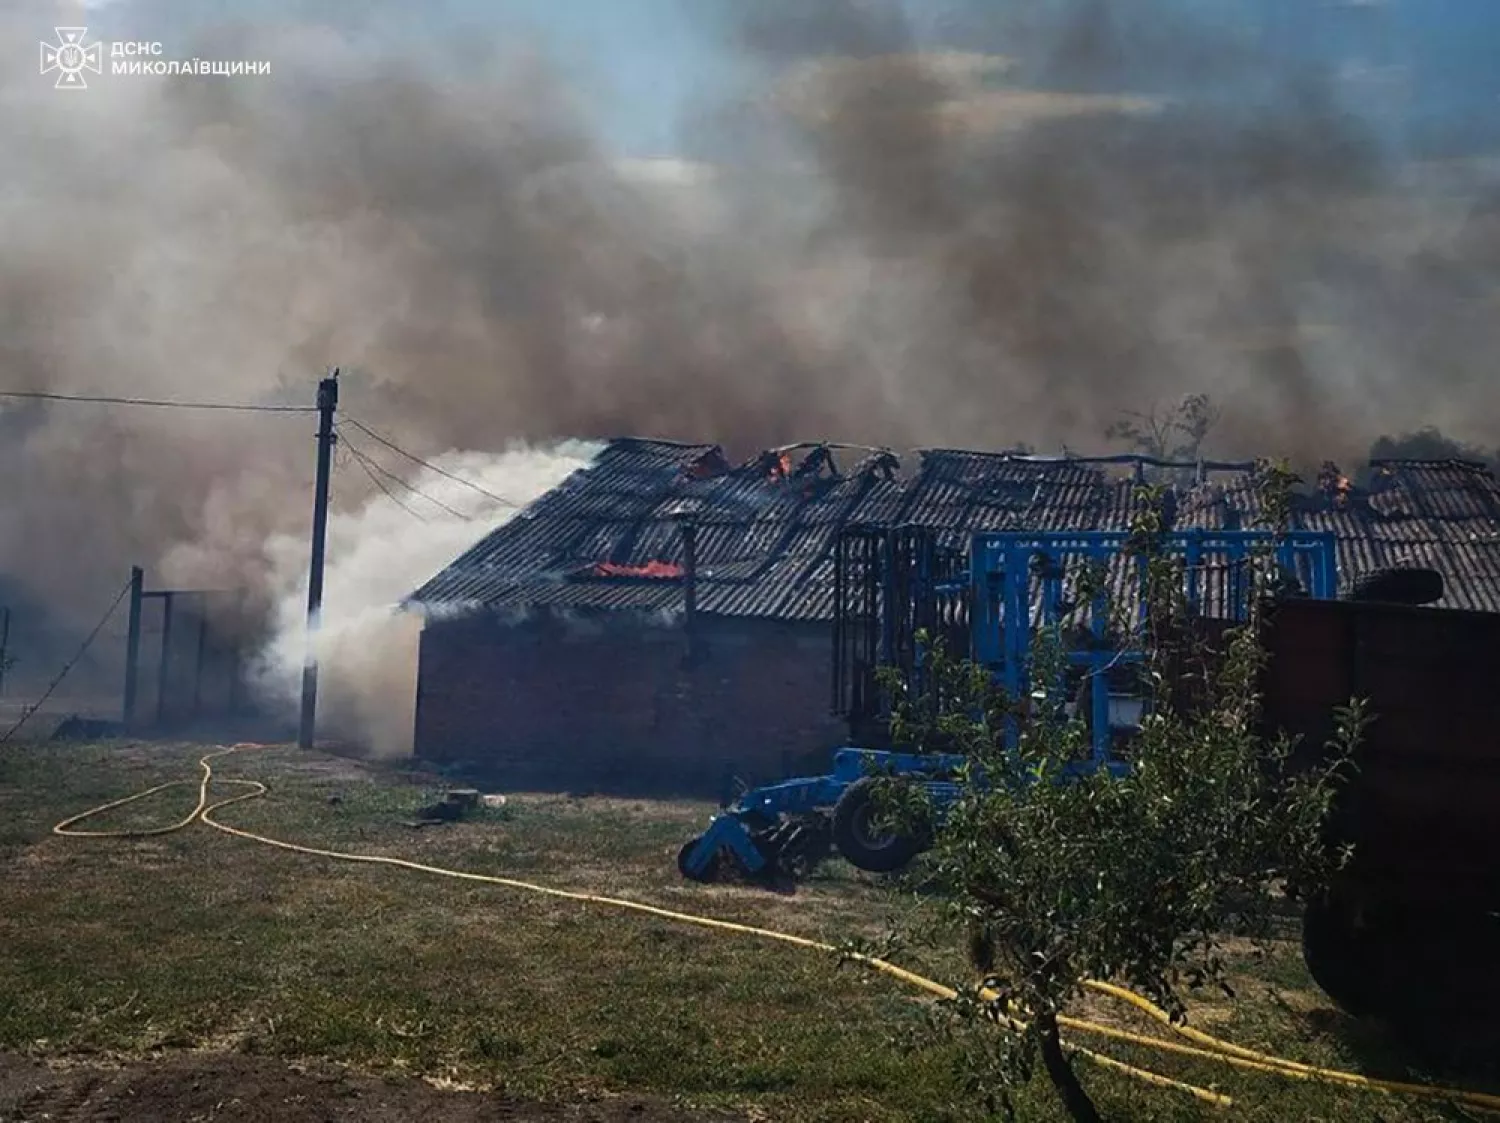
(163, 682)
(133, 646)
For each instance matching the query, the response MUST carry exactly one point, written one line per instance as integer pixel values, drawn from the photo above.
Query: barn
(662, 618)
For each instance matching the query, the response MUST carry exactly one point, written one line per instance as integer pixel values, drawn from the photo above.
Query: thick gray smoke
(877, 239)
(1139, 208)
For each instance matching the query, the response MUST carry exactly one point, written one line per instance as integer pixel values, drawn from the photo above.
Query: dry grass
(202, 941)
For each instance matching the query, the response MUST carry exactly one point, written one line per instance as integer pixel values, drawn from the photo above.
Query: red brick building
(664, 616)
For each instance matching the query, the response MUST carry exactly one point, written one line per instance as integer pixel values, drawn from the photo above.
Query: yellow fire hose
(1211, 1047)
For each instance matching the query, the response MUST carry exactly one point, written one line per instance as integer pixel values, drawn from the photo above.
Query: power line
(364, 462)
(367, 431)
(68, 666)
(370, 465)
(160, 403)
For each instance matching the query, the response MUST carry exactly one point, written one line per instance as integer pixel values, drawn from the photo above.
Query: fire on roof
(651, 570)
(765, 531)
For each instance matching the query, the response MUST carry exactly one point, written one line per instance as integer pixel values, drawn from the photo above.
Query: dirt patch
(191, 1088)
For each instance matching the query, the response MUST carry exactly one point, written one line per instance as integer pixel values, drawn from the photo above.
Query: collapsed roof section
(610, 536)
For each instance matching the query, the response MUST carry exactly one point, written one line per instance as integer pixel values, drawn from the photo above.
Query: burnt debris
(765, 530)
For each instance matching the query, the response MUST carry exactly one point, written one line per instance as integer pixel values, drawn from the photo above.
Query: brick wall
(614, 706)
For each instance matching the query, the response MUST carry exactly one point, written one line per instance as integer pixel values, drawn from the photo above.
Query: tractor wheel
(1410, 585)
(860, 841)
(1336, 949)
(708, 873)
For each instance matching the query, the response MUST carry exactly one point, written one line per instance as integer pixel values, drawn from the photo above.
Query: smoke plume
(375, 559)
(874, 237)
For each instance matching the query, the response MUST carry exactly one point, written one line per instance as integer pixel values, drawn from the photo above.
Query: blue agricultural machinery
(987, 602)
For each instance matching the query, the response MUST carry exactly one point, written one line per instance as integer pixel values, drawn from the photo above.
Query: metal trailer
(986, 603)
(1410, 928)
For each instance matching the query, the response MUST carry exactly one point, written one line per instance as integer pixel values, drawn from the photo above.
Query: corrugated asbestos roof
(766, 529)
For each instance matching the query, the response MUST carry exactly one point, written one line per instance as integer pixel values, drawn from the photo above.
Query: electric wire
(398, 450)
(1207, 1047)
(28, 711)
(159, 403)
(372, 467)
(364, 463)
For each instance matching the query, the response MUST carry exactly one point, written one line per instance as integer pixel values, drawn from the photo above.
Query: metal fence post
(4, 645)
(133, 646)
(198, 667)
(163, 680)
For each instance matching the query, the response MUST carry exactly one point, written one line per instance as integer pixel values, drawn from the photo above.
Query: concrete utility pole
(328, 401)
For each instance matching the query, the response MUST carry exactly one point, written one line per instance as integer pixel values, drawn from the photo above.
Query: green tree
(1061, 875)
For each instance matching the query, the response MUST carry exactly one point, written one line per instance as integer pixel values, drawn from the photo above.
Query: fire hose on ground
(1203, 1046)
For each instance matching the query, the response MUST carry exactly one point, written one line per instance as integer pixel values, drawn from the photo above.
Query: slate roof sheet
(765, 537)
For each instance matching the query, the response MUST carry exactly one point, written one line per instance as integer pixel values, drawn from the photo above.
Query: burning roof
(650, 571)
(766, 528)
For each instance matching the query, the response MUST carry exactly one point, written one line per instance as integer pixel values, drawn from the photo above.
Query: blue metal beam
(1018, 581)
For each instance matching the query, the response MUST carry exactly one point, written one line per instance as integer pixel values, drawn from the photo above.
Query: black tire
(708, 874)
(861, 845)
(1337, 954)
(1409, 585)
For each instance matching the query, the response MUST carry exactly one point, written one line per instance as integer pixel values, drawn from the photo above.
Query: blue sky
(638, 63)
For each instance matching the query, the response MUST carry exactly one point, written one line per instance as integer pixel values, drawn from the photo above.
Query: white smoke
(379, 551)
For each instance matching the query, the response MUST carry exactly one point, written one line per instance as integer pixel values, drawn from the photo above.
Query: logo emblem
(70, 58)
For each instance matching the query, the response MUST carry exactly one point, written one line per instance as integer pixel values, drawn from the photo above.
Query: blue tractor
(987, 602)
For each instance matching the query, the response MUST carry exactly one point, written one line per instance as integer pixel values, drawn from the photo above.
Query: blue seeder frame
(1002, 579)
(812, 793)
(1004, 568)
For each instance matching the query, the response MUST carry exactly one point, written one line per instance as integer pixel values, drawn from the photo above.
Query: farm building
(664, 615)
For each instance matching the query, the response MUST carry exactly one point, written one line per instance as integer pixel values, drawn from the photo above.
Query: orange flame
(1335, 484)
(656, 569)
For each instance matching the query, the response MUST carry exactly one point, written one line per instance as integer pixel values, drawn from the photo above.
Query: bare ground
(194, 1087)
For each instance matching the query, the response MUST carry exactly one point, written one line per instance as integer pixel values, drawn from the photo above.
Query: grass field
(198, 941)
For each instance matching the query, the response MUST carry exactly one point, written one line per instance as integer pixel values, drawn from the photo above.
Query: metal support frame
(858, 584)
(1022, 578)
(895, 581)
(204, 641)
(890, 584)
